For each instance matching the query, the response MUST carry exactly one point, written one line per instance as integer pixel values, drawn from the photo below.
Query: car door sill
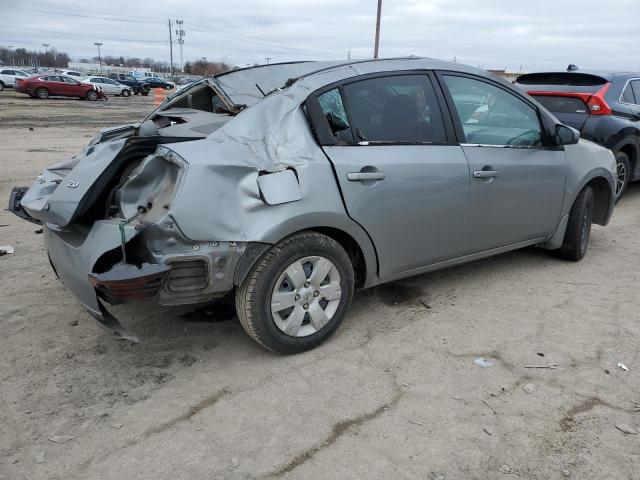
(463, 259)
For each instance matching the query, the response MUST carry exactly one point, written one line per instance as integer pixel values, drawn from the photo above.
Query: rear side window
(493, 116)
(557, 104)
(335, 113)
(627, 94)
(395, 109)
(635, 86)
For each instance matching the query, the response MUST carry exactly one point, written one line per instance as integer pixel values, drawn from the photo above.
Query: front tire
(91, 95)
(623, 171)
(125, 93)
(42, 93)
(297, 293)
(576, 237)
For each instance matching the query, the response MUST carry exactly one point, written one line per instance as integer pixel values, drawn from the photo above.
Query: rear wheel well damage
(603, 199)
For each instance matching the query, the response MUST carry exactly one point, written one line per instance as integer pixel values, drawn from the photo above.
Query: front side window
(493, 116)
(108, 81)
(6, 72)
(69, 80)
(395, 109)
(335, 113)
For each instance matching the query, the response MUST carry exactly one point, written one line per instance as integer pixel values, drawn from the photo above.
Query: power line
(92, 16)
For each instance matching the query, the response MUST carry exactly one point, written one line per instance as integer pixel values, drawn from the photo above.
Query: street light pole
(46, 50)
(268, 59)
(375, 50)
(97, 44)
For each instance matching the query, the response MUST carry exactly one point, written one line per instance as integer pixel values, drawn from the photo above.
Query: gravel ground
(394, 394)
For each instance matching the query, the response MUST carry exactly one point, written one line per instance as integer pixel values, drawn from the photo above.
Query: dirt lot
(394, 394)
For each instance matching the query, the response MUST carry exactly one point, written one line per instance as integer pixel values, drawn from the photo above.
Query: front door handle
(364, 176)
(485, 173)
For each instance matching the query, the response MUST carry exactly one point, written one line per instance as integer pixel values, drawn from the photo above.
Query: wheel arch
(351, 236)
(629, 147)
(603, 200)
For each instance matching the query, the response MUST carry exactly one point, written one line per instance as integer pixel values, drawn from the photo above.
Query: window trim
(547, 143)
(628, 84)
(325, 136)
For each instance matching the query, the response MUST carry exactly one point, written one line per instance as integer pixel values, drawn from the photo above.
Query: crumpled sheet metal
(271, 136)
(242, 85)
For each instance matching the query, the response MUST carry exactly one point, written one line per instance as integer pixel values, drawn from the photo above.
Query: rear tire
(576, 237)
(623, 172)
(91, 95)
(42, 93)
(1, 86)
(319, 304)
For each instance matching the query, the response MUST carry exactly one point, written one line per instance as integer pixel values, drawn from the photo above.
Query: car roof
(248, 85)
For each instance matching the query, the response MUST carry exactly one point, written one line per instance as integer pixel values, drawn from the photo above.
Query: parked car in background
(109, 86)
(604, 107)
(138, 87)
(155, 82)
(340, 178)
(45, 86)
(73, 73)
(8, 76)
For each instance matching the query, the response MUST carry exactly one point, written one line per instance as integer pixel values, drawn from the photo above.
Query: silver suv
(292, 185)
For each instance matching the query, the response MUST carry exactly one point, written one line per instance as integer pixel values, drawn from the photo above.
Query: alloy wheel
(306, 296)
(621, 178)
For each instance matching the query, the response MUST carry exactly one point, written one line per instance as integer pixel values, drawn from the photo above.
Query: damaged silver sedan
(292, 185)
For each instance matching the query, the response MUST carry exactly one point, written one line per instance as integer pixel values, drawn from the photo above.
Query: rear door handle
(360, 176)
(485, 173)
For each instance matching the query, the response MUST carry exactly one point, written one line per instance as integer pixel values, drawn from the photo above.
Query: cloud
(491, 33)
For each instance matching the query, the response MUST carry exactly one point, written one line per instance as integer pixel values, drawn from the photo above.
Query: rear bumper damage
(91, 264)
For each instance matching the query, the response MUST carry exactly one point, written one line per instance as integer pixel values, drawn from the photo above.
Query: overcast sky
(534, 34)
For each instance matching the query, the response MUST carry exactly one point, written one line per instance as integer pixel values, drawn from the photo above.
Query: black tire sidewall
(624, 159)
(268, 331)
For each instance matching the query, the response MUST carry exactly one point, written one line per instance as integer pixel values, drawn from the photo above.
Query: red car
(45, 86)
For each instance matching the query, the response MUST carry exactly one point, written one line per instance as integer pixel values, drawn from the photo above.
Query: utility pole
(170, 48)
(10, 55)
(268, 59)
(97, 44)
(375, 50)
(180, 35)
(46, 51)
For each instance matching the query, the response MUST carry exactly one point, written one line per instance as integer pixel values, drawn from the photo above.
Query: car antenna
(261, 91)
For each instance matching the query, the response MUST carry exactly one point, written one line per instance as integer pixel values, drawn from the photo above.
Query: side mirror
(566, 135)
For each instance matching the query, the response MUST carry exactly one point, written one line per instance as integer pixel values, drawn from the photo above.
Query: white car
(109, 86)
(8, 77)
(72, 73)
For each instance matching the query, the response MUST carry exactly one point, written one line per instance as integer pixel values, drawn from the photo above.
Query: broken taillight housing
(129, 282)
